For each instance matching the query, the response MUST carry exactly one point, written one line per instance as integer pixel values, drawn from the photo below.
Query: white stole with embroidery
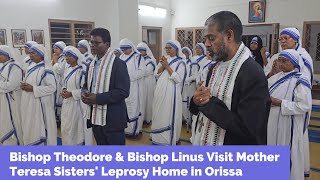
(207, 132)
(99, 112)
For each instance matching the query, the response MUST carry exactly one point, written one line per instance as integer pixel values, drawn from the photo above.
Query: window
(70, 32)
(189, 37)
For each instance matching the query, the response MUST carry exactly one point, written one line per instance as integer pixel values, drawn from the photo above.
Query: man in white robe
(37, 101)
(136, 74)
(26, 61)
(150, 80)
(10, 77)
(59, 66)
(291, 99)
(167, 104)
(73, 110)
(234, 83)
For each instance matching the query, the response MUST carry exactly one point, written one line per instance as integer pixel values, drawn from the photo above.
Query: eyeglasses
(284, 38)
(94, 43)
(282, 60)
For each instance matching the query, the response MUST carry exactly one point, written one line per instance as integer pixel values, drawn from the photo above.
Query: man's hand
(199, 84)
(202, 96)
(89, 98)
(275, 101)
(26, 87)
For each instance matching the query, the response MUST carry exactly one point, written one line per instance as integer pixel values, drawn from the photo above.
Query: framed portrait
(37, 36)
(257, 11)
(3, 37)
(19, 37)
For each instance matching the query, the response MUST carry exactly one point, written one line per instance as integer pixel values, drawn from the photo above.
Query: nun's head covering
(60, 45)
(294, 57)
(41, 51)
(118, 50)
(203, 47)
(75, 53)
(254, 40)
(29, 44)
(6, 51)
(143, 46)
(127, 44)
(84, 44)
(176, 45)
(188, 50)
(294, 34)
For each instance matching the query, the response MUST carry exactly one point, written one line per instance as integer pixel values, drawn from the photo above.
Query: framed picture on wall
(257, 11)
(3, 37)
(37, 36)
(19, 37)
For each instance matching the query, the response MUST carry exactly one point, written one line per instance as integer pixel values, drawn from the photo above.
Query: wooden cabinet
(70, 32)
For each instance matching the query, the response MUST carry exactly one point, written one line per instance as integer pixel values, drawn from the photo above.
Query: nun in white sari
(85, 49)
(167, 104)
(10, 77)
(291, 99)
(290, 39)
(200, 59)
(37, 101)
(27, 61)
(189, 87)
(59, 66)
(150, 80)
(72, 111)
(136, 73)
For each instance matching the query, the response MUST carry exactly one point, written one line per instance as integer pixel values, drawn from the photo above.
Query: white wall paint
(193, 13)
(164, 23)
(34, 14)
(128, 20)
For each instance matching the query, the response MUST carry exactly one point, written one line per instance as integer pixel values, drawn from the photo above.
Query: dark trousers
(104, 137)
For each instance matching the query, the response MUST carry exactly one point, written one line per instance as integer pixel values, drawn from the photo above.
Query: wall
(128, 16)
(34, 14)
(193, 13)
(164, 23)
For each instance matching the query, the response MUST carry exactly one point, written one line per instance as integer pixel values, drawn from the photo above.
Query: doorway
(269, 34)
(311, 42)
(153, 37)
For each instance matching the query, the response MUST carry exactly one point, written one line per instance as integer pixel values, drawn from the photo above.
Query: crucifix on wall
(21, 49)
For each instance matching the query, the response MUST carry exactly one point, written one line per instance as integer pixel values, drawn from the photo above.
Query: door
(269, 34)
(311, 42)
(153, 36)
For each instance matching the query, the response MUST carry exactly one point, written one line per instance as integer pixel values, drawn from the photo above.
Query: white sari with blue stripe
(37, 108)
(73, 109)
(167, 103)
(286, 123)
(132, 102)
(150, 81)
(10, 93)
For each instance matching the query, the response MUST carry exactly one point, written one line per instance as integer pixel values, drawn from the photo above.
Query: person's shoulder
(250, 69)
(119, 62)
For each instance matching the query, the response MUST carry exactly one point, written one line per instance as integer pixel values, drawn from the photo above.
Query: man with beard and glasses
(232, 106)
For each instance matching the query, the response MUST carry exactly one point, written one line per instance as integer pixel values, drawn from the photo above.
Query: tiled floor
(314, 149)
